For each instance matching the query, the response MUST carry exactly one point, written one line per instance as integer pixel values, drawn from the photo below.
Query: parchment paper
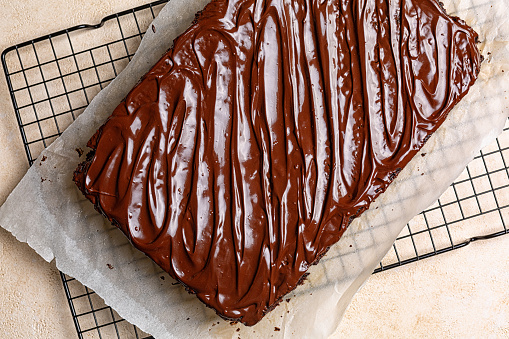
(48, 212)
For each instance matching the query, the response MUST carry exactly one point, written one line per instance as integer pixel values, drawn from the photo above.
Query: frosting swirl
(247, 150)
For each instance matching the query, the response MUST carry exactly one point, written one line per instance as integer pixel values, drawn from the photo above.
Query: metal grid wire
(477, 203)
(53, 78)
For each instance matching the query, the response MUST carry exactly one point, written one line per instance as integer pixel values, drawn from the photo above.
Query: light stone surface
(464, 293)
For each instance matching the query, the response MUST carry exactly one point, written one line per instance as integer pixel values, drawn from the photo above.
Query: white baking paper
(48, 212)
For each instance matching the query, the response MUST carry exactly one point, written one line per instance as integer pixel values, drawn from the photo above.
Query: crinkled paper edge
(134, 287)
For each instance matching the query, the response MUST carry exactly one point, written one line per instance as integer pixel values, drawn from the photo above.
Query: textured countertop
(464, 293)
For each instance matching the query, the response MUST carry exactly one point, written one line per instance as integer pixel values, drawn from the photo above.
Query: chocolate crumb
(188, 318)
(43, 180)
(162, 277)
(238, 329)
(350, 245)
(423, 154)
(393, 175)
(110, 266)
(153, 28)
(288, 300)
(80, 151)
(277, 329)
(43, 159)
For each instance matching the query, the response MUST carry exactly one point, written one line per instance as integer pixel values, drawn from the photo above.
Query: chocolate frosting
(247, 150)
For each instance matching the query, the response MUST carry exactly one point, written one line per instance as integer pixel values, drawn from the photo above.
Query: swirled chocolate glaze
(252, 144)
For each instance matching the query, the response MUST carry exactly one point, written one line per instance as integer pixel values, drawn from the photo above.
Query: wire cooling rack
(53, 78)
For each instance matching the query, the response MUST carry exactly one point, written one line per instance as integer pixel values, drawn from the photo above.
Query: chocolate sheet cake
(248, 149)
